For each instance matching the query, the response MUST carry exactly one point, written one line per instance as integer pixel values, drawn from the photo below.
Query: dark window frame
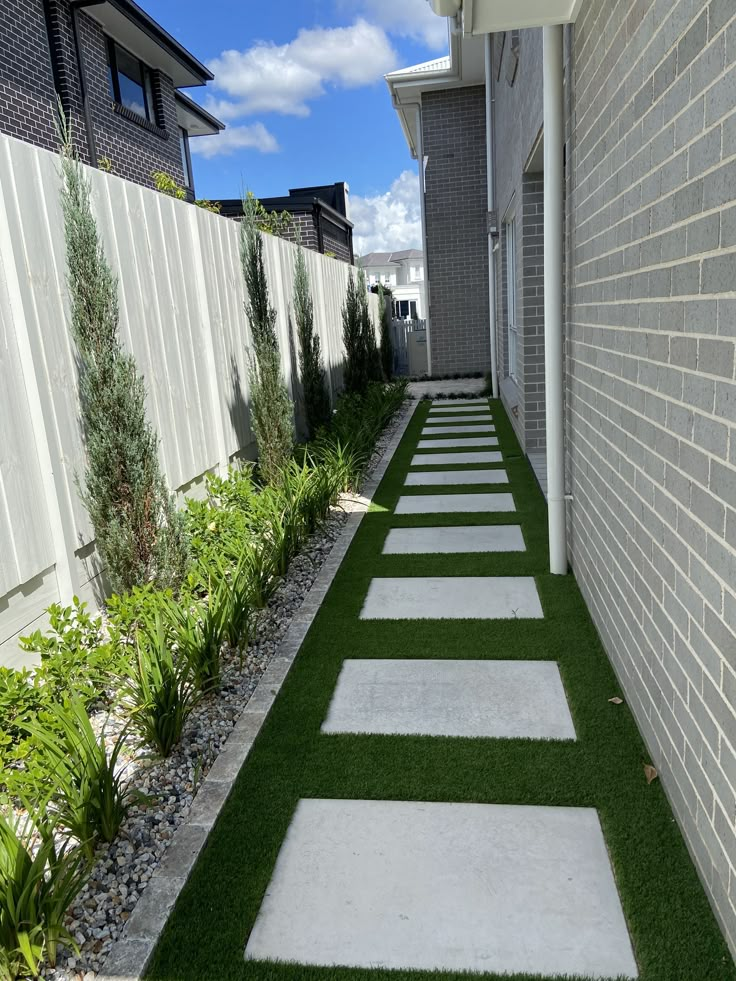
(147, 88)
(186, 159)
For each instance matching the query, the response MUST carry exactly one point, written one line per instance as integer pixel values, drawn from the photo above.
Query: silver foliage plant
(272, 413)
(316, 396)
(140, 535)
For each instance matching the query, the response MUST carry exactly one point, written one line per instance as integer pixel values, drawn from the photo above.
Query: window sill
(141, 121)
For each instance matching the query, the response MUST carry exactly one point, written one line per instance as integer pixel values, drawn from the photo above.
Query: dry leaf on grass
(650, 773)
(616, 700)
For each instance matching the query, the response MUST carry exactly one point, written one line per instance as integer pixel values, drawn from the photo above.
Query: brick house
(320, 217)
(118, 74)
(608, 131)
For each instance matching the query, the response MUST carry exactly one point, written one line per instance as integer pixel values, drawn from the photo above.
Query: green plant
(237, 594)
(271, 409)
(355, 377)
(75, 655)
(198, 632)
(386, 344)
(214, 206)
(83, 784)
(105, 164)
(372, 367)
(316, 396)
(271, 222)
(159, 691)
(166, 184)
(38, 883)
(138, 531)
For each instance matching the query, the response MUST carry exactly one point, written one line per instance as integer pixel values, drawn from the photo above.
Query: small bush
(159, 691)
(316, 396)
(37, 886)
(372, 371)
(272, 413)
(355, 378)
(138, 532)
(386, 344)
(80, 780)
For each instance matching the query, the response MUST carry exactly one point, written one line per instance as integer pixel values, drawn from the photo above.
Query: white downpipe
(553, 328)
(423, 214)
(490, 136)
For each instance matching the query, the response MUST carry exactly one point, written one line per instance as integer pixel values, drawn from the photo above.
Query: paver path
(434, 793)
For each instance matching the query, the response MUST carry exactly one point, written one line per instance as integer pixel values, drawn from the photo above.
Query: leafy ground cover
(146, 664)
(673, 930)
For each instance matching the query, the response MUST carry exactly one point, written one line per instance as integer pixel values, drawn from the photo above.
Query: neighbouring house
(403, 273)
(578, 187)
(118, 74)
(320, 217)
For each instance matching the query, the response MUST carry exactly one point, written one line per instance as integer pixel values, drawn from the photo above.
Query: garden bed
(123, 868)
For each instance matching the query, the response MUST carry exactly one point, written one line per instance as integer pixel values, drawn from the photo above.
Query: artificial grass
(673, 930)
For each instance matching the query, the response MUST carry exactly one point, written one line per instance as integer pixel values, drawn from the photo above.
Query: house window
(131, 83)
(511, 323)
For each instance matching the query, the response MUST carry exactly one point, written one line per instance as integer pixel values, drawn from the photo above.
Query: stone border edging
(130, 955)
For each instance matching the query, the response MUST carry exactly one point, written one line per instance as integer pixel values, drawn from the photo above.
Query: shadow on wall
(238, 408)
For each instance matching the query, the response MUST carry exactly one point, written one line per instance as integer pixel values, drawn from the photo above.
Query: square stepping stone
(458, 430)
(449, 477)
(446, 419)
(453, 503)
(474, 538)
(405, 885)
(451, 403)
(452, 598)
(474, 409)
(481, 456)
(472, 699)
(451, 443)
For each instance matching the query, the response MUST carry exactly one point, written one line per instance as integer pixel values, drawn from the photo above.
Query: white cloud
(255, 137)
(406, 18)
(284, 78)
(388, 222)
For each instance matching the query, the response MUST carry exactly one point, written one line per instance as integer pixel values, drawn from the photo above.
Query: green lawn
(674, 933)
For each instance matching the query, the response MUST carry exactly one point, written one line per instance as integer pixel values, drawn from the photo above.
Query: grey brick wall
(530, 355)
(651, 391)
(518, 120)
(26, 81)
(453, 126)
(27, 93)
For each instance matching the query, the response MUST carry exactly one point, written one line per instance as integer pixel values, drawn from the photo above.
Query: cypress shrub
(386, 344)
(316, 396)
(353, 340)
(271, 409)
(372, 371)
(140, 535)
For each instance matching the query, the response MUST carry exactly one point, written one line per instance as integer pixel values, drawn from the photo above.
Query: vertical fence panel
(182, 314)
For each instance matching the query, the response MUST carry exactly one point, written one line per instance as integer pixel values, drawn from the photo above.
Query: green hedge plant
(316, 396)
(38, 884)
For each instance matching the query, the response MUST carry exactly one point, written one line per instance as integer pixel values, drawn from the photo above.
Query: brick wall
(518, 120)
(530, 354)
(26, 81)
(453, 126)
(651, 397)
(27, 93)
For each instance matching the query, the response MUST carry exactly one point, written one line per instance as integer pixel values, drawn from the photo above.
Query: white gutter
(553, 324)
(490, 137)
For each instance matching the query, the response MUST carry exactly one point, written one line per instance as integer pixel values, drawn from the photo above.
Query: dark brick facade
(454, 130)
(27, 92)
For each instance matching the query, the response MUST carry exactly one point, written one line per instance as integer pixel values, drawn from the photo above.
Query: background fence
(181, 313)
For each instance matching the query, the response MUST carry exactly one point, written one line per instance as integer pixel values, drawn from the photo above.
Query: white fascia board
(491, 16)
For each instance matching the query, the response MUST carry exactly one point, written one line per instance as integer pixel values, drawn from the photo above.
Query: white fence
(181, 313)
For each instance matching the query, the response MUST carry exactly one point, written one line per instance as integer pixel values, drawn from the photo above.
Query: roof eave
(193, 71)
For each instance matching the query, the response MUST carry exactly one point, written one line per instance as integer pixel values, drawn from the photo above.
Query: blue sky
(300, 85)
